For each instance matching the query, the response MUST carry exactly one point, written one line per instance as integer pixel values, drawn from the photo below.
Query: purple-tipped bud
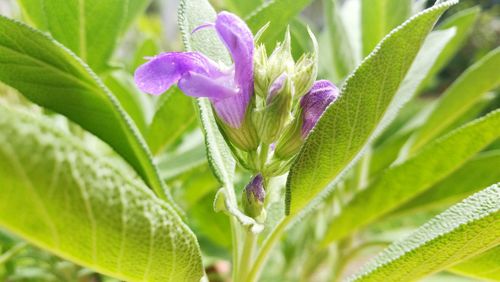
(312, 106)
(253, 197)
(315, 102)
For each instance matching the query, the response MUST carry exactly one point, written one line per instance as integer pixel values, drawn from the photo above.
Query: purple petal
(164, 70)
(231, 110)
(255, 189)
(315, 102)
(238, 39)
(276, 87)
(199, 85)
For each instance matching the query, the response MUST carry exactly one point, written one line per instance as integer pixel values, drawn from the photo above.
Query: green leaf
(51, 76)
(460, 96)
(134, 9)
(403, 182)
(175, 113)
(464, 230)
(134, 102)
(278, 13)
(463, 21)
(243, 8)
(193, 13)
(85, 209)
(89, 28)
(481, 171)
(175, 164)
(364, 108)
(379, 17)
(485, 266)
(341, 52)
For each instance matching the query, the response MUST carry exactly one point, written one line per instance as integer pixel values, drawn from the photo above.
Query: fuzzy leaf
(351, 122)
(81, 207)
(461, 232)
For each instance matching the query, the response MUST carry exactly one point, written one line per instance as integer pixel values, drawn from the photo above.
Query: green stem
(246, 257)
(264, 252)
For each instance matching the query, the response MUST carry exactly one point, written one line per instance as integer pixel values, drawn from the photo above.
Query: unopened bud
(276, 113)
(312, 106)
(281, 60)
(253, 198)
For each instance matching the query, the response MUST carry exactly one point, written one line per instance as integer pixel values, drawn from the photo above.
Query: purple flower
(315, 102)
(253, 197)
(228, 88)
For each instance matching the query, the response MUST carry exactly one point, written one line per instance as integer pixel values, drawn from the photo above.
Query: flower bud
(306, 69)
(253, 198)
(276, 113)
(312, 106)
(281, 60)
(261, 78)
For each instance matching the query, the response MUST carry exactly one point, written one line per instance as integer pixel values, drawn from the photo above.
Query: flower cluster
(265, 105)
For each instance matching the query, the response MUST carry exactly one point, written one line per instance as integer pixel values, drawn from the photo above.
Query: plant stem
(12, 252)
(246, 257)
(266, 248)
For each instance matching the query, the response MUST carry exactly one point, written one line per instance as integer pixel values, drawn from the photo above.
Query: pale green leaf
(463, 21)
(461, 232)
(51, 76)
(85, 209)
(343, 58)
(405, 181)
(379, 17)
(279, 13)
(460, 96)
(89, 28)
(367, 100)
(485, 266)
(243, 8)
(175, 113)
(193, 13)
(175, 164)
(481, 171)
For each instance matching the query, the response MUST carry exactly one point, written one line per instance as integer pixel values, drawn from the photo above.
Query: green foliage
(84, 208)
(402, 182)
(460, 232)
(485, 266)
(347, 126)
(43, 71)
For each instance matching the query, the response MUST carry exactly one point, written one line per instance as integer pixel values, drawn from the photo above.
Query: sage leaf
(52, 76)
(462, 231)
(83, 208)
(405, 181)
(350, 123)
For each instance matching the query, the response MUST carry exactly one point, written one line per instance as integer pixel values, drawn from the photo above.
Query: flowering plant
(268, 150)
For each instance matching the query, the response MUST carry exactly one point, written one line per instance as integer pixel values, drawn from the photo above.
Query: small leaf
(50, 75)
(460, 96)
(403, 182)
(78, 206)
(350, 123)
(243, 8)
(278, 13)
(464, 230)
(485, 266)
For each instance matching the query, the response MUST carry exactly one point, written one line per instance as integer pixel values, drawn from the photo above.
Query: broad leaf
(90, 28)
(51, 76)
(484, 266)
(172, 165)
(175, 113)
(379, 17)
(85, 209)
(464, 230)
(481, 171)
(403, 182)
(278, 13)
(347, 126)
(460, 96)
(193, 13)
